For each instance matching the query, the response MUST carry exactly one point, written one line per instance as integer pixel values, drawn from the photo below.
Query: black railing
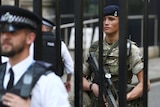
(78, 52)
(123, 33)
(145, 54)
(123, 4)
(101, 81)
(58, 36)
(37, 8)
(16, 2)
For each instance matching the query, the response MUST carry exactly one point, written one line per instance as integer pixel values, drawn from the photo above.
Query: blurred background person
(48, 28)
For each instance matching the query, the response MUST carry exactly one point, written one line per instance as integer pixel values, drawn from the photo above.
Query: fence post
(145, 54)
(16, 2)
(58, 36)
(78, 52)
(37, 8)
(123, 33)
(100, 82)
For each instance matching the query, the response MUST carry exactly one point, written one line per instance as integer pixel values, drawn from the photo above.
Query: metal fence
(37, 7)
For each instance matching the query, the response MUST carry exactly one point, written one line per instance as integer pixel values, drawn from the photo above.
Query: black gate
(78, 7)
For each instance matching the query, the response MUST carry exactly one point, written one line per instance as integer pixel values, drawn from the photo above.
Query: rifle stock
(107, 85)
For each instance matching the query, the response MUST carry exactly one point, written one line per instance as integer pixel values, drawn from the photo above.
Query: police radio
(27, 85)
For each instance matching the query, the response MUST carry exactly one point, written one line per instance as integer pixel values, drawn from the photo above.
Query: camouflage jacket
(134, 60)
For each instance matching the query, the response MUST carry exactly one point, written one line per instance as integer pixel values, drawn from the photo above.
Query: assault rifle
(110, 96)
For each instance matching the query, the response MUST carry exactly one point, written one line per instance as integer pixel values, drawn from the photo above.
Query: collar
(21, 67)
(106, 43)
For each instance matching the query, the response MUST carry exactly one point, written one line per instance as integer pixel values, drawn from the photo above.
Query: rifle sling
(110, 50)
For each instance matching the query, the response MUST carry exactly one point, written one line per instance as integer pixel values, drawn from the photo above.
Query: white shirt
(68, 62)
(49, 91)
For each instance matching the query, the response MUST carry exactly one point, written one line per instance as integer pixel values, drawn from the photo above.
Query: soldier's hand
(13, 100)
(95, 89)
(106, 104)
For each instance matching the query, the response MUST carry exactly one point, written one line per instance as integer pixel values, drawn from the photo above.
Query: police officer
(48, 26)
(23, 80)
(111, 30)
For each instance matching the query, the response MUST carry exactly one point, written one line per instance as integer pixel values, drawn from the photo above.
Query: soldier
(24, 81)
(135, 63)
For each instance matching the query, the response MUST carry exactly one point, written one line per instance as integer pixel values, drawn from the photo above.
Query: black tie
(11, 80)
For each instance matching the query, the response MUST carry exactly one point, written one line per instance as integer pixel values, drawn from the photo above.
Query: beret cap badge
(115, 13)
(112, 10)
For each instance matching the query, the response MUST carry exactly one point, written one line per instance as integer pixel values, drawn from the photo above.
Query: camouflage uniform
(86, 100)
(135, 64)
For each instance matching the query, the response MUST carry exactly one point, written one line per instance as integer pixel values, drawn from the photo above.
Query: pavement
(153, 72)
(154, 69)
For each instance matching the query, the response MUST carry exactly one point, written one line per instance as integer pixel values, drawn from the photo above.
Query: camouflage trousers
(89, 100)
(94, 101)
(135, 103)
(86, 100)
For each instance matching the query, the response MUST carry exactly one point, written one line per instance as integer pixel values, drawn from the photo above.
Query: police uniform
(68, 62)
(49, 90)
(134, 58)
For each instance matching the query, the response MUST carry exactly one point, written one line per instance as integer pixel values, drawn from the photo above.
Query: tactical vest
(134, 103)
(28, 80)
(115, 75)
(49, 52)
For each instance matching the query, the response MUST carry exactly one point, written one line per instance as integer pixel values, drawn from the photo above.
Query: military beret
(13, 18)
(112, 10)
(47, 22)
